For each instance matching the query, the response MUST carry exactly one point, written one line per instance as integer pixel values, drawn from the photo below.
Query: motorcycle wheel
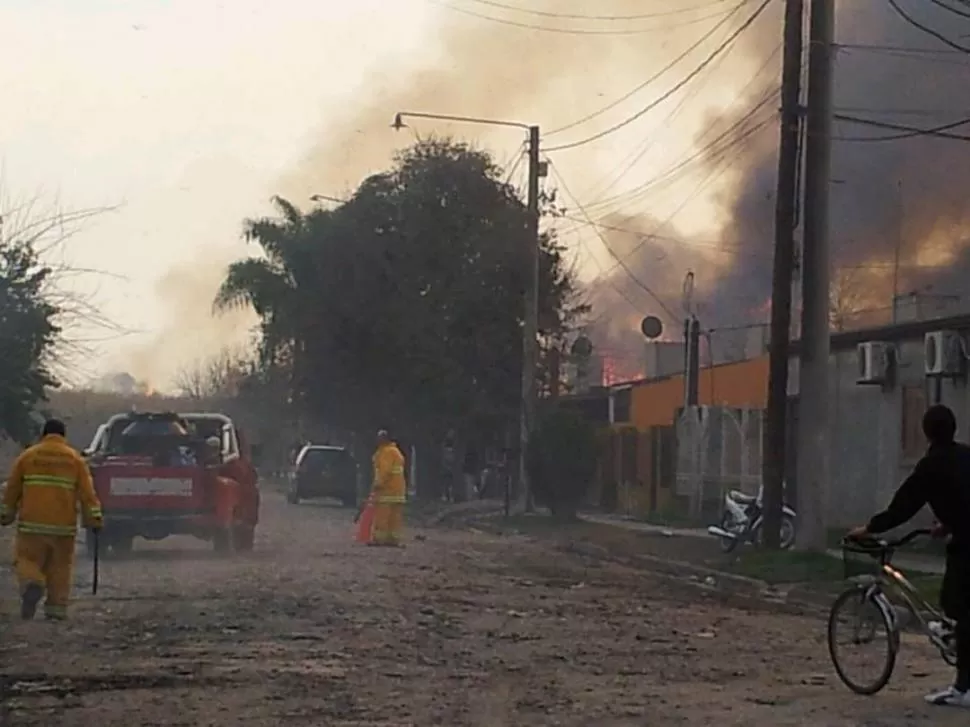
(727, 544)
(787, 535)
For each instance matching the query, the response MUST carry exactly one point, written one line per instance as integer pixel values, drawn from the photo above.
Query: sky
(185, 116)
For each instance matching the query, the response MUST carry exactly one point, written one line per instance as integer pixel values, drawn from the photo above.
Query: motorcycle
(743, 518)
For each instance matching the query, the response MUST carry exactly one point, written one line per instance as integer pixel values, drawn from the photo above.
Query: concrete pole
(776, 415)
(813, 383)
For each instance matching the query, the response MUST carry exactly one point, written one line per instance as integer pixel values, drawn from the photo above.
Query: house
(638, 466)
(881, 381)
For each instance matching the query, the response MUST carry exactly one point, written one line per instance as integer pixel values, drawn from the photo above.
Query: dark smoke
(915, 188)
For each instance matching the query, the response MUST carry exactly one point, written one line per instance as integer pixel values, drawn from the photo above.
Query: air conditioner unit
(943, 353)
(875, 359)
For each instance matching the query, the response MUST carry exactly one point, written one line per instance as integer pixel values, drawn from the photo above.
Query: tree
(44, 321)
(28, 333)
(848, 298)
(218, 376)
(561, 458)
(403, 308)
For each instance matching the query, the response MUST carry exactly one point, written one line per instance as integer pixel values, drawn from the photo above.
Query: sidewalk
(906, 563)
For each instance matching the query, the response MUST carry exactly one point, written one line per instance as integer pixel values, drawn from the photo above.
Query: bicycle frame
(892, 580)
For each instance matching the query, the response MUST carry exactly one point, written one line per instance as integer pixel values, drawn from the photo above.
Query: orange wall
(742, 384)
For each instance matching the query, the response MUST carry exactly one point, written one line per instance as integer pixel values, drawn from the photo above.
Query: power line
(926, 29)
(573, 31)
(876, 48)
(579, 16)
(652, 139)
(941, 4)
(718, 145)
(764, 66)
(704, 38)
(609, 249)
(715, 173)
(906, 132)
(679, 85)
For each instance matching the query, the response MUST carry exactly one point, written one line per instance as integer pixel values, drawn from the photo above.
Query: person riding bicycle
(941, 479)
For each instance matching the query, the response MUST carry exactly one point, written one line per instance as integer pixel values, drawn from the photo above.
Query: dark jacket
(941, 479)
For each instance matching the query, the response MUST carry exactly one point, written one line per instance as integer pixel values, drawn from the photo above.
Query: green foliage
(561, 458)
(28, 331)
(404, 306)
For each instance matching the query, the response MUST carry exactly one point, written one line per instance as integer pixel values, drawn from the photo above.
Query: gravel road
(460, 628)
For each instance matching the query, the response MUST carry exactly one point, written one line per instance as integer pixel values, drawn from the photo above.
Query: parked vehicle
(742, 520)
(161, 474)
(323, 470)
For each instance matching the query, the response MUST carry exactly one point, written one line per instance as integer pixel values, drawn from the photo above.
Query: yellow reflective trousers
(46, 561)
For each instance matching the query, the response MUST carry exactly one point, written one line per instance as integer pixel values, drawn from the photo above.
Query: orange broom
(365, 521)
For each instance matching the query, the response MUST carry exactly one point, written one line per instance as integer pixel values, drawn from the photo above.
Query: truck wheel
(293, 497)
(245, 538)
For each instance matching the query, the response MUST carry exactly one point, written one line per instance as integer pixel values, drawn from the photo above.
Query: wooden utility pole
(773, 462)
(813, 380)
(530, 331)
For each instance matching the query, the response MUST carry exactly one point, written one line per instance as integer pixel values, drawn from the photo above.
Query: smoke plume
(905, 197)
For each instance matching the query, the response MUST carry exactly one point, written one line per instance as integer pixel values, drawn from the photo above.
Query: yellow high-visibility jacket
(390, 487)
(46, 485)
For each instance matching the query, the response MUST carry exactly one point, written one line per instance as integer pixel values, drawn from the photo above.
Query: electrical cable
(716, 171)
(609, 249)
(612, 105)
(744, 91)
(574, 31)
(907, 132)
(700, 155)
(926, 29)
(941, 4)
(652, 139)
(578, 16)
(670, 92)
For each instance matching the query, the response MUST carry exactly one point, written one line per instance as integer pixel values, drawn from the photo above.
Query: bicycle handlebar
(876, 544)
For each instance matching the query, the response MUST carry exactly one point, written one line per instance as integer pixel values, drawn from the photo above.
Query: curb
(701, 577)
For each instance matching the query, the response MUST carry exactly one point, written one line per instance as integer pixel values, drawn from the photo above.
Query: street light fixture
(326, 198)
(530, 331)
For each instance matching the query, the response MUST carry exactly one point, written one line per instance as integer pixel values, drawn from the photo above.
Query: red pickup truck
(164, 473)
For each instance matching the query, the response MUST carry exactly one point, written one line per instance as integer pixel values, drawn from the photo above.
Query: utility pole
(530, 331)
(776, 416)
(813, 380)
(897, 247)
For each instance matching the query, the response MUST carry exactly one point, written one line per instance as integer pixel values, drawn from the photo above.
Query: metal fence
(718, 449)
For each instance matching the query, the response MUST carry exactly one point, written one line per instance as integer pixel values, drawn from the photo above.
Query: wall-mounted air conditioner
(875, 361)
(943, 353)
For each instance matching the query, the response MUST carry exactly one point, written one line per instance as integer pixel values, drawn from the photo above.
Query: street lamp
(326, 198)
(530, 331)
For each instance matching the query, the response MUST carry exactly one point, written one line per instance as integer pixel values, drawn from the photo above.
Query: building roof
(844, 340)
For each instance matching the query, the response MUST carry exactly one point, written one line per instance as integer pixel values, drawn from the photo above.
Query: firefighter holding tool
(47, 484)
(389, 492)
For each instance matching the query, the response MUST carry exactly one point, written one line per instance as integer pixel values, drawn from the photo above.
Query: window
(914, 405)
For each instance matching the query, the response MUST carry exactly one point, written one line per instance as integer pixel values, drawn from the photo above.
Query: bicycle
(870, 592)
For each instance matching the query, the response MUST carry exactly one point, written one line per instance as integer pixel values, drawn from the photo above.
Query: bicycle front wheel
(867, 622)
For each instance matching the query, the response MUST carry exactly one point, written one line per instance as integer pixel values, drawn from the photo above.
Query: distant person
(941, 479)
(46, 485)
(471, 470)
(389, 492)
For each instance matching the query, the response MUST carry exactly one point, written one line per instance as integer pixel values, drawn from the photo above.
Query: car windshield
(320, 459)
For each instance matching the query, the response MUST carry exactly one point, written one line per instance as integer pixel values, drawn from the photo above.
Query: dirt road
(460, 628)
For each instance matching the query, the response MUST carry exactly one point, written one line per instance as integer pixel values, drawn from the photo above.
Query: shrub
(561, 460)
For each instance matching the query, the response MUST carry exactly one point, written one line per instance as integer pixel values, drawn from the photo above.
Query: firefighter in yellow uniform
(389, 493)
(47, 483)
